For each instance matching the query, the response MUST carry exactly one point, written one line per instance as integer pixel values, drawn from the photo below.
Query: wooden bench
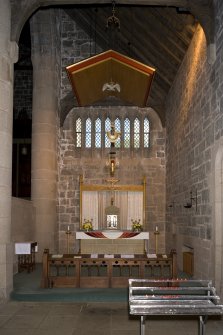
(173, 297)
(105, 270)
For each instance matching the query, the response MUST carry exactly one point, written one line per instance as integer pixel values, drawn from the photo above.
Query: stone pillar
(46, 72)
(8, 55)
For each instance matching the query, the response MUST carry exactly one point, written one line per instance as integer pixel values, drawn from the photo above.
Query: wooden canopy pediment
(110, 74)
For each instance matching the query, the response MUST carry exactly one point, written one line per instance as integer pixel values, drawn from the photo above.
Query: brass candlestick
(68, 233)
(156, 233)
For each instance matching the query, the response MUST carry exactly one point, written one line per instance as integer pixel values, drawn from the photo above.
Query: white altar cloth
(81, 235)
(25, 248)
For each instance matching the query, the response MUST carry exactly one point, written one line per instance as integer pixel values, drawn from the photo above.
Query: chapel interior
(116, 111)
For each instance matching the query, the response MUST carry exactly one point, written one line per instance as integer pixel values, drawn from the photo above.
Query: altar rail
(104, 271)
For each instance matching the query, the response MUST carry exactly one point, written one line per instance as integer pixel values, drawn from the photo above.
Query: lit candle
(156, 228)
(68, 228)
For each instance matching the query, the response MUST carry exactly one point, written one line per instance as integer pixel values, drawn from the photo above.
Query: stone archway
(21, 11)
(218, 219)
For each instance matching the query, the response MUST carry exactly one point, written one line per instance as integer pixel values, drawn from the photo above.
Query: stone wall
(194, 124)
(75, 46)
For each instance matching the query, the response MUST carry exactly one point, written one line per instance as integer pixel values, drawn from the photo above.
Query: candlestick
(156, 233)
(68, 233)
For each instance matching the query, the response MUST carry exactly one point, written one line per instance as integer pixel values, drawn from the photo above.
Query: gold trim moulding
(132, 188)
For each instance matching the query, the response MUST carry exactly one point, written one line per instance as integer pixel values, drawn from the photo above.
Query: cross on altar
(112, 181)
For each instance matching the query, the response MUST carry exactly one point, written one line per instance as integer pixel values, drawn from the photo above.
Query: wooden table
(26, 255)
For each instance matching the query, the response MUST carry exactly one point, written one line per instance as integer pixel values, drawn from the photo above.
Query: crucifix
(112, 181)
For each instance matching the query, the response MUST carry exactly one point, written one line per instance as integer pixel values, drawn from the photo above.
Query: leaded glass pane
(118, 128)
(88, 133)
(146, 133)
(78, 125)
(127, 141)
(146, 140)
(136, 133)
(126, 133)
(107, 128)
(78, 140)
(78, 133)
(98, 133)
(146, 125)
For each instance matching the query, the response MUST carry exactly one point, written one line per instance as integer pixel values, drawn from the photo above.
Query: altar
(113, 242)
(111, 212)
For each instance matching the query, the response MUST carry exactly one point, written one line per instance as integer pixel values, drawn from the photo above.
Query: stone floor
(44, 318)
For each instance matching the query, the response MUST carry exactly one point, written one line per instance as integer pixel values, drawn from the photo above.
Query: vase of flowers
(87, 225)
(136, 225)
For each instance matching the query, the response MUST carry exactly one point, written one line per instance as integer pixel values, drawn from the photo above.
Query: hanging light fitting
(112, 20)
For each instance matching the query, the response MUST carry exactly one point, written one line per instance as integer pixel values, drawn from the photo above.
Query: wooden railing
(105, 270)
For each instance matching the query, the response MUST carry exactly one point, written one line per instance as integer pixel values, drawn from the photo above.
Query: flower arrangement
(87, 225)
(136, 225)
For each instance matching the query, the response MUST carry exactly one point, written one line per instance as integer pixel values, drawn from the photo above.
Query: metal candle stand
(156, 233)
(68, 233)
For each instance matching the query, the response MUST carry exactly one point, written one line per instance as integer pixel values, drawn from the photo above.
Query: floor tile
(23, 321)
(27, 318)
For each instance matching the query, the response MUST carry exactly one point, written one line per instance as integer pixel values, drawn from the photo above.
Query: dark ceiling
(157, 36)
